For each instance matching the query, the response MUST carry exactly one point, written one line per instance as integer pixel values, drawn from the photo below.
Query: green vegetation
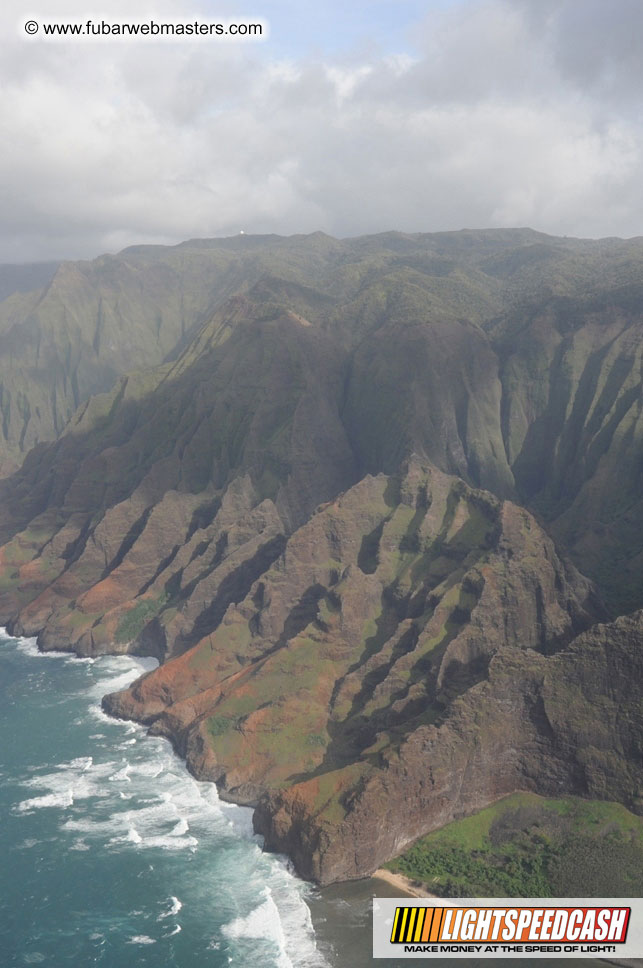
(294, 369)
(134, 621)
(316, 739)
(421, 329)
(218, 725)
(528, 846)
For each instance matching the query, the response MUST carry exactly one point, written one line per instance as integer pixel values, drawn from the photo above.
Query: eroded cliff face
(88, 325)
(169, 496)
(559, 724)
(508, 357)
(395, 667)
(291, 514)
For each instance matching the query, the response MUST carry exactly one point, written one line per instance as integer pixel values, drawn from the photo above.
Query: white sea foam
(181, 828)
(58, 800)
(174, 908)
(96, 711)
(262, 923)
(287, 893)
(155, 826)
(121, 775)
(80, 763)
(118, 672)
(171, 843)
(238, 819)
(78, 779)
(152, 769)
(28, 645)
(168, 810)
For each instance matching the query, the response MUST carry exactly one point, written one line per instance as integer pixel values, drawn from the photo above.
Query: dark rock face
(88, 325)
(509, 358)
(538, 723)
(310, 512)
(169, 504)
(389, 664)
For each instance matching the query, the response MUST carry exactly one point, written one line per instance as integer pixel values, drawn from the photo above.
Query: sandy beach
(401, 883)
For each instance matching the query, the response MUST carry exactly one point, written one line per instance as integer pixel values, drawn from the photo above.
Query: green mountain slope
(528, 846)
(29, 277)
(308, 490)
(93, 322)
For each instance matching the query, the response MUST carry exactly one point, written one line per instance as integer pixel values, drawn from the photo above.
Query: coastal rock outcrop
(568, 723)
(405, 658)
(336, 499)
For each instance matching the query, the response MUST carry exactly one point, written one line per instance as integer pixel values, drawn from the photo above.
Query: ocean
(115, 855)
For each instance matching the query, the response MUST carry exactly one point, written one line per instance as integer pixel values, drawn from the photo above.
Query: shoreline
(401, 883)
(82, 760)
(333, 922)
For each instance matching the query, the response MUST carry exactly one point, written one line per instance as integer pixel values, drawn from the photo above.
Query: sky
(351, 117)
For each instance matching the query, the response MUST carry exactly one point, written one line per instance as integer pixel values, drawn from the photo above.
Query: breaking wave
(129, 795)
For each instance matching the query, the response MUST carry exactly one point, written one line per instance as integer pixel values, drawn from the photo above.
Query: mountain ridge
(309, 510)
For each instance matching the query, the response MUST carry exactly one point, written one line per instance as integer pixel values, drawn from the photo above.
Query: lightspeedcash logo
(455, 925)
(507, 928)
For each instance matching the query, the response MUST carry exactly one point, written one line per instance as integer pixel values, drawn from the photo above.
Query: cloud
(498, 112)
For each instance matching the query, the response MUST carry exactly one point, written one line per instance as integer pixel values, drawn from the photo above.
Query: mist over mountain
(25, 278)
(368, 501)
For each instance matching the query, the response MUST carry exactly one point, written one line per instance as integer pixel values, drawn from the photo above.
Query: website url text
(181, 30)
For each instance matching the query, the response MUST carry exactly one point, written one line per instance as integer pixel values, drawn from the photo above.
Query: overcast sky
(363, 116)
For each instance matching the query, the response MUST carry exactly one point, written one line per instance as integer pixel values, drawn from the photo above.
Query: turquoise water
(112, 853)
